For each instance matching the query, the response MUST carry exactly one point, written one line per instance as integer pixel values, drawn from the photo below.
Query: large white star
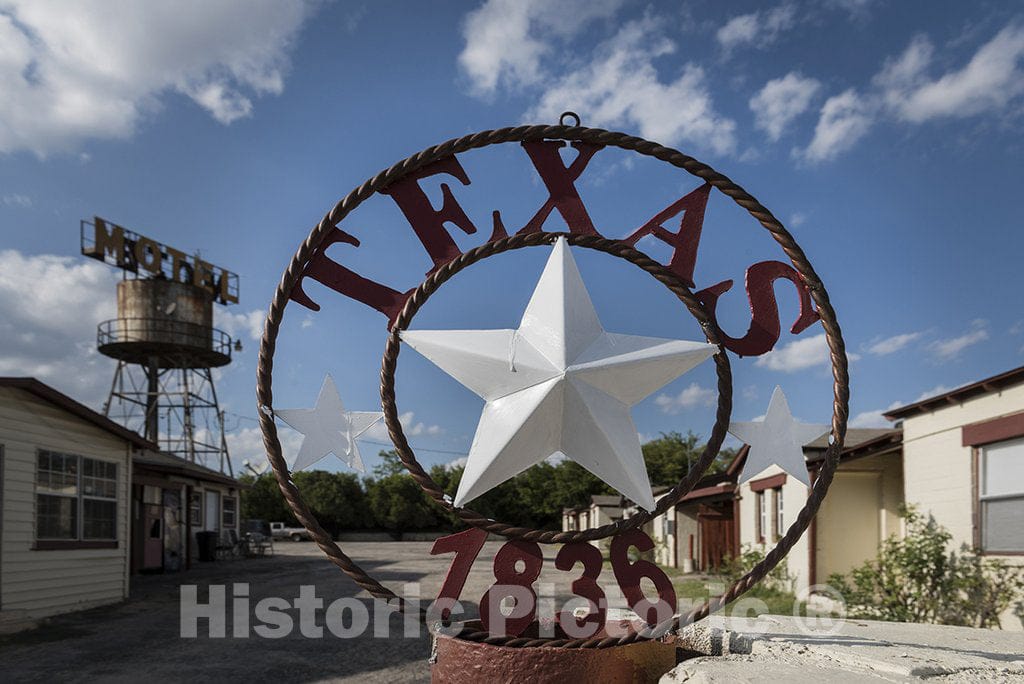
(777, 440)
(557, 384)
(328, 428)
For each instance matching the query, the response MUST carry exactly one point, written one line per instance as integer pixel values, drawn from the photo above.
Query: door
(211, 519)
(152, 522)
(173, 531)
(717, 535)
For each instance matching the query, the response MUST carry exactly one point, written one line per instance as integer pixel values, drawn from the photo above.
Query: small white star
(557, 384)
(328, 428)
(777, 440)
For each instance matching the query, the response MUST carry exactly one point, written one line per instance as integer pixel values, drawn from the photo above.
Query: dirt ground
(140, 638)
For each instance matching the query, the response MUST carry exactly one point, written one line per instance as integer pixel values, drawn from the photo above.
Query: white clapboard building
(84, 503)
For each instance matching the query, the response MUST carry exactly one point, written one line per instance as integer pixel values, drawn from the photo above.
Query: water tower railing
(156, 330)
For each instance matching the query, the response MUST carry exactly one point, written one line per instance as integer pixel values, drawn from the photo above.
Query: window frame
(195, 495)
(778, 519)
(79, 540)
(980, 499)
(224, 525)
(760, 515)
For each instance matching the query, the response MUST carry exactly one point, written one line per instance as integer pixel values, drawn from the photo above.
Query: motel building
(86, 503)
(958, 456)
(603, 509)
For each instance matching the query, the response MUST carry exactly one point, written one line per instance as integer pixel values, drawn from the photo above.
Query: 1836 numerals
(518, 564)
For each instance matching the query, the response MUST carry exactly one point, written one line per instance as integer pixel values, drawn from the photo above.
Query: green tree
(670, 456)
(396, 501)
(336, 499)
(263, 500)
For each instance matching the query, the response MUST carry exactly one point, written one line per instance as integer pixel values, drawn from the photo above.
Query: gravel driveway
(141, 638)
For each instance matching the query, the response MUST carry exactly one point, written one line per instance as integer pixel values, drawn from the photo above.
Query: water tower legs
(152, 400)
(176, 408)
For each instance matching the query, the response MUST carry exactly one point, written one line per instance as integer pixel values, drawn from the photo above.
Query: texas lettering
(678, 225)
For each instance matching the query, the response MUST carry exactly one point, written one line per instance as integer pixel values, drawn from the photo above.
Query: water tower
(164, 342)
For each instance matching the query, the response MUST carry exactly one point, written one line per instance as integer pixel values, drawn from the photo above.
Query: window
(99, 499)
(76, 498)
(228, 512)
(762, 515)
(1001, 496)
(778, 521)
(195, 509)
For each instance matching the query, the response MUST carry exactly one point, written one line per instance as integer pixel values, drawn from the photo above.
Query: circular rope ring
(614, 248)
(294, 273)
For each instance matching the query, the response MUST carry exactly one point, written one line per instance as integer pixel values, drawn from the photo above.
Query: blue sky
(887, 136)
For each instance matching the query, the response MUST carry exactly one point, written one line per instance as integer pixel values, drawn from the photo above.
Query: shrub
(778, 580)
(917, 579)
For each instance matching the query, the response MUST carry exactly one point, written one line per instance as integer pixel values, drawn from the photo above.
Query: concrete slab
(813, 650)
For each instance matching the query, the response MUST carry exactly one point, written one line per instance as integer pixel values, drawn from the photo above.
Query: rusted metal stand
(459, 660)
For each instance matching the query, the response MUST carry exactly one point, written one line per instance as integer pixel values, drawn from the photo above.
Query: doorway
(717, 535)
(212, 511)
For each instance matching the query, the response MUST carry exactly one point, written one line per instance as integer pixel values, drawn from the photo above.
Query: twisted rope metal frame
(833, 336)
(615, 248)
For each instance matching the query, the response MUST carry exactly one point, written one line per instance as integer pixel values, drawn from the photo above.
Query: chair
(229, 544)
(259, 544)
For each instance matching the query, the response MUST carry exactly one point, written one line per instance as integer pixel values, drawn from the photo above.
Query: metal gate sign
(559, 382)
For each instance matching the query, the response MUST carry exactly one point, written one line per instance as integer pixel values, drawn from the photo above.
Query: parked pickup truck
(278, 530)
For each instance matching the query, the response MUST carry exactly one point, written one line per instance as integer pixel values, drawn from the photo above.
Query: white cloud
(757, 28)
(843, 121)
(620, 87)
(694, 395)
(16, 200)
(243, 324)
(457, 463)
(411, 427)
(873, 419)
(799, 355)
(933, 392)
(798, 218)
(49, 309)
(506, 40)
(750, 392)
(950, 348)
(891, 345)
(1017, 328)
(781, 100)
(856, 8)
(990, 82)
(96, 68)
(987, 82)
(246, 444)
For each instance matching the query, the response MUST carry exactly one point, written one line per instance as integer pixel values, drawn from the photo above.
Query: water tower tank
(164, 323)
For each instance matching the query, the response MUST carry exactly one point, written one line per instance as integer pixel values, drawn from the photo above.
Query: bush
(917, 579)
(777, 581)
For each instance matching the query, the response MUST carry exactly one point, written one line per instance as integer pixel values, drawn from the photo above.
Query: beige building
(603, 509)
(861, 509)
(963, 454)
(85, 502)
(64, 484)
(699, 532)
(173, 502)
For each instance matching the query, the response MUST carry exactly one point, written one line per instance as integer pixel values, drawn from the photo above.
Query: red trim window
(1001, 496)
